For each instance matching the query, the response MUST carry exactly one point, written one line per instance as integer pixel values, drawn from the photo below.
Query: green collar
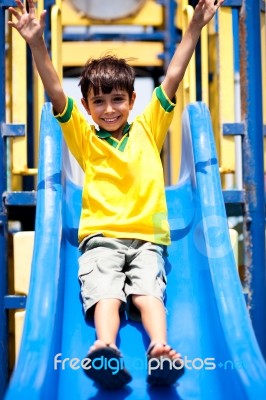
(101, 133)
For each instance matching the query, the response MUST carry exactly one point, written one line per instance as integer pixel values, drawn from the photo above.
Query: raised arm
(203, 13)
(31, 29)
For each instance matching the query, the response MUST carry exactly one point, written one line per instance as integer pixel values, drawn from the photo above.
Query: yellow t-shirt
(123, 192)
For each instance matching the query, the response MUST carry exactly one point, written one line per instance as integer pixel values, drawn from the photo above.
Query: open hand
(205, 10)
(27, 24)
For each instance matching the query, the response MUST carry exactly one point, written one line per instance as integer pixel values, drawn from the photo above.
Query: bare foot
(159, 371)
(157, 350)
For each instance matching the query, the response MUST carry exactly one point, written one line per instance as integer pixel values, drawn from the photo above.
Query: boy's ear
(132, 100)
(85, 105)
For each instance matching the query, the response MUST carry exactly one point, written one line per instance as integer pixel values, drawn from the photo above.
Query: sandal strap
(152, 345)
(114, 347)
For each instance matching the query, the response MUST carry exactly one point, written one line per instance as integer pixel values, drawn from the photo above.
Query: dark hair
(105, 74)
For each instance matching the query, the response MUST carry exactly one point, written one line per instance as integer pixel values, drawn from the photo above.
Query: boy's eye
(97, 101)
(118, 99)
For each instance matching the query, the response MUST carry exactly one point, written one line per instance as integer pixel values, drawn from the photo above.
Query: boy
(123, 227)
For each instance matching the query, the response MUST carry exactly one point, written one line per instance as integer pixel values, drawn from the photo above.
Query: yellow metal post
(179, 7)
(186, 93)
(18, 104)
(176, 138)
(56, 38)
(226, 86)
(38, 97)
(189, 81)
(204, 66)
(214, 104)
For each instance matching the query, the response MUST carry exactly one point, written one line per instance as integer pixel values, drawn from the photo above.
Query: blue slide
(208, 321)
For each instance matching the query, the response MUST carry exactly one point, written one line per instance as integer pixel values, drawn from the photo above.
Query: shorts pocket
(87, 275)
(162, 280)
(85, 272)
(86, 265)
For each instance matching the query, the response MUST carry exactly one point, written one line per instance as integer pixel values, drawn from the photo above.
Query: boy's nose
(109, 108)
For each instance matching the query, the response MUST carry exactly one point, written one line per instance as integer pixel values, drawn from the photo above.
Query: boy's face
(110, 111)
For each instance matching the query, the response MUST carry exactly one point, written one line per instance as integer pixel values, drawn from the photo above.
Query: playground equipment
(238, 130)
(208, 318)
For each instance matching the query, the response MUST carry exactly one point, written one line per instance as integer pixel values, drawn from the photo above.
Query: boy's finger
(31, 7)
(21, 7)
(14, 12)
(218, 3)
(12, 24)
(42, 18)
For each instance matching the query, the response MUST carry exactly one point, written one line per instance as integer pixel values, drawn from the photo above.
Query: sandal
(106, 367)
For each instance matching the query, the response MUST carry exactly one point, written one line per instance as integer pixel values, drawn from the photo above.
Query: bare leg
(107, 322)
(154, 322)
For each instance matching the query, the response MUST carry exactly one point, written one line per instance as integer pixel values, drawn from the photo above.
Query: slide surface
(207, 317)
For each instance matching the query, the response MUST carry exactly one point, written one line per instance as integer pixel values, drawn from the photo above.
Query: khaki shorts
(119, 268)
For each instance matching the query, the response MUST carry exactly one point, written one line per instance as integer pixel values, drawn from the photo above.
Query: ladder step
(234, 196)
(20, 198)
(15, 301)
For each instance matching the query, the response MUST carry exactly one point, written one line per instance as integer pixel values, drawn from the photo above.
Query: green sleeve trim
(65, 116)
(163, 99)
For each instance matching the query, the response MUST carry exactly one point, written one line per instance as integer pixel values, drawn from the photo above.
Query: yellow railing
(56, 38)
(187, 90)
(204, 66)
(217, 58)
(226, 87)
(17, 111)
(38, 98)
(17, 105)
(189, 81)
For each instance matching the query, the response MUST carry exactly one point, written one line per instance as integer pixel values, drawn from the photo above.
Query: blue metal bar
(20, 198)
(3, 219)
(8, 3)
(236, 44)
(13, 130)
(237, 128)
(232, 3)
(170, 33)
(15, 302)
(253, 168)
(87, 35)
(238, 3)
(234, 196)
(234, 202)
(48, 3)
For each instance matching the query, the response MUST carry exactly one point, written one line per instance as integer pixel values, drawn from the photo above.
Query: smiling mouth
(110, 120)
